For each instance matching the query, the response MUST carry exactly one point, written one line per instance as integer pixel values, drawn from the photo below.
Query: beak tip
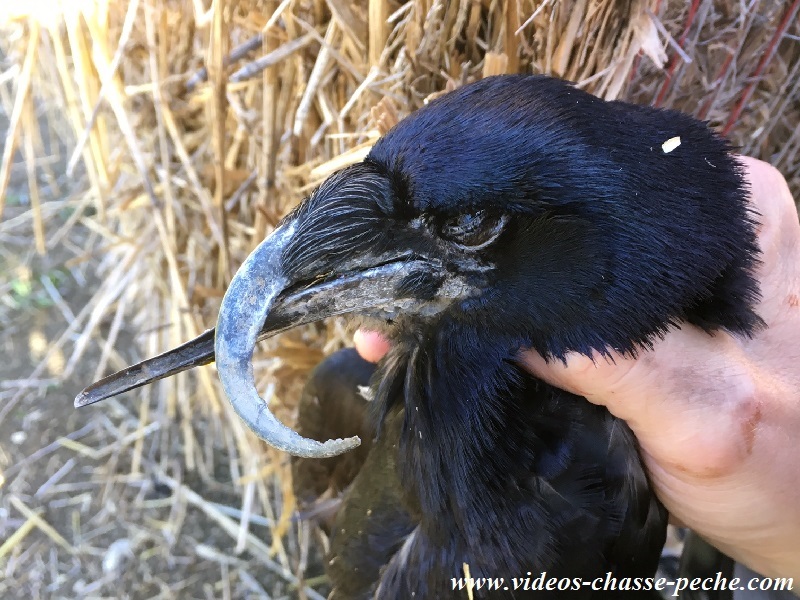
(86, 397)
(308, 448)
(340, 446)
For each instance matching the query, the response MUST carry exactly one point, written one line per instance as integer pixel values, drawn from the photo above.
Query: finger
(691, 378)
(778, 238)
(772, 200)
(690, 401)
(371, 345)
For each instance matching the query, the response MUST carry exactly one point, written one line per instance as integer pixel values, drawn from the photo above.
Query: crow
(514, 212)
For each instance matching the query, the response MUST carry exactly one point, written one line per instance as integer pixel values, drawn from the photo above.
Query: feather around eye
(473, 231)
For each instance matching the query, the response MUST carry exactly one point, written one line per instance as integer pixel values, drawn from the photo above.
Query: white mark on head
(671, 144)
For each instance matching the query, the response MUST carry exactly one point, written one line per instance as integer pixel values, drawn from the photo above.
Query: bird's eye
(473, 231)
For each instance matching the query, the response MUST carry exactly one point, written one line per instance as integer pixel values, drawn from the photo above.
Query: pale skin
(717, 417)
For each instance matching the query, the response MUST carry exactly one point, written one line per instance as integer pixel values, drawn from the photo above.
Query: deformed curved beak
(263, 300)
(245, 306)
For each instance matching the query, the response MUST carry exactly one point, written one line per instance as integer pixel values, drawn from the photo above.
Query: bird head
(517, 211)
(356, 246)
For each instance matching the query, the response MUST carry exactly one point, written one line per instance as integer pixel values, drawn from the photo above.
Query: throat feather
(465, 428)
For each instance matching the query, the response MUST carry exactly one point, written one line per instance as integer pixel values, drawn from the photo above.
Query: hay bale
(198, 128)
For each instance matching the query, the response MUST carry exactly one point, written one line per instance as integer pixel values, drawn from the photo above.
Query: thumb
(692, 391)
(371, 345)
(602, 380)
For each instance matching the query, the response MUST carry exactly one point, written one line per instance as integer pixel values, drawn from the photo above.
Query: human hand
(717, 417)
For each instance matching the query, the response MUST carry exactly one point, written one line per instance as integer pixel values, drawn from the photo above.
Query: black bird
(514, 212)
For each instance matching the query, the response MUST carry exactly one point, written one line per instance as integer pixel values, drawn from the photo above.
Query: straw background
(149, 145)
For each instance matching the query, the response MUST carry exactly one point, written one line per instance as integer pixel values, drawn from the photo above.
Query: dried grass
(195, 128)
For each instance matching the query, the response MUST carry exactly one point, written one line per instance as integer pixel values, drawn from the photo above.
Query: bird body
(332, 405)
(515, 212)
(574, 503)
